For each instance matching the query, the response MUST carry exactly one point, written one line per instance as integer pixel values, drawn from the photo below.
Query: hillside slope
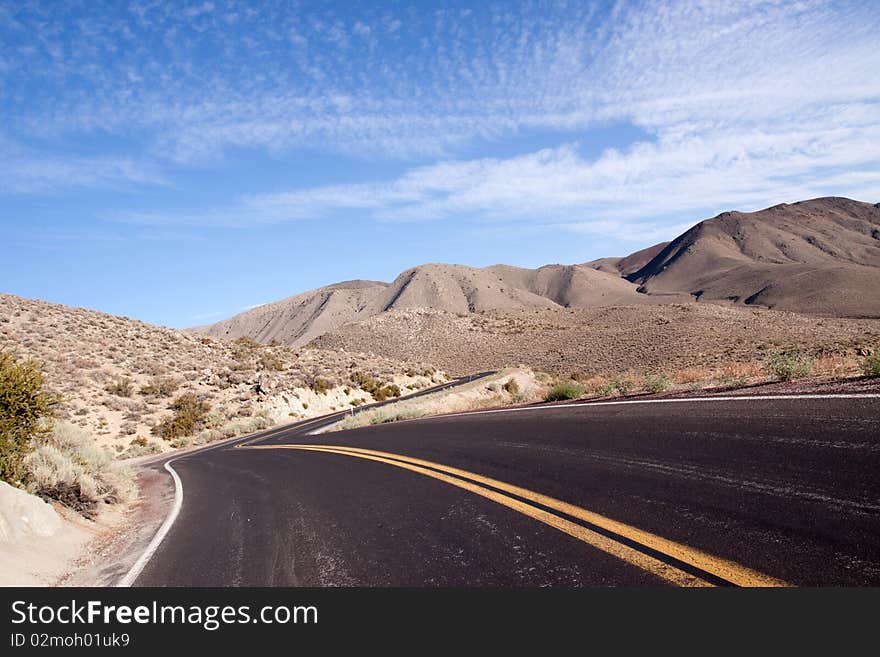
(299, 319)
(117, 376)
(442, 287)
(820, 256)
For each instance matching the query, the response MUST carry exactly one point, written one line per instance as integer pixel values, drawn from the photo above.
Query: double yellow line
(671, 561)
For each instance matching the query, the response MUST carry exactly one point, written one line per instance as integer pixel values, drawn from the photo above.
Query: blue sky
(178, 162)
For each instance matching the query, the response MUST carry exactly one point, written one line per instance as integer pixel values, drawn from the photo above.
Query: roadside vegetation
(871, 364)
(48, 457)
(528, 386)
(24, 406)
(789, 365)
(564, 390)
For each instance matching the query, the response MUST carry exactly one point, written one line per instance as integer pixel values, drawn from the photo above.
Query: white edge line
(142, 561)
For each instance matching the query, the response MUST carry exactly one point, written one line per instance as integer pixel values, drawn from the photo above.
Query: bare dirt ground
(602, 340)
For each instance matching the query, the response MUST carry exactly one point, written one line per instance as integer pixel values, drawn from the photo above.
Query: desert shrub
(189, 417)
(208, 436)
(365, 382)
(214, 420)
(511, 386)
(623, 386)
(67, 466)
(658, 383)
(871, 364)
(140, 447)
(321, 386)
(788, 365)
(375, 387)
(160, 386)
(386, 392)
(565, 390)
(269, 361)
(121, 387)
(23, 404)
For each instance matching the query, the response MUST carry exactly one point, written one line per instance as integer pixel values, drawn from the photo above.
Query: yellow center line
(723, 568)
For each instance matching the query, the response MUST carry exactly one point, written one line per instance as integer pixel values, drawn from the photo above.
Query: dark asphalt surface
(790, 488)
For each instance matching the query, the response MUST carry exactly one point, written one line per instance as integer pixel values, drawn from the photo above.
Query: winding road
(747, 491)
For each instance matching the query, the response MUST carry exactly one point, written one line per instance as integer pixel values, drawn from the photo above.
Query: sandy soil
(636, 339)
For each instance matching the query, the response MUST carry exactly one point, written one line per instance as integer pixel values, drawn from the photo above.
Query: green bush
(788, 365)
(190, 415)
(871, 364)
(566, 390)
(23, 404)
(655, 384)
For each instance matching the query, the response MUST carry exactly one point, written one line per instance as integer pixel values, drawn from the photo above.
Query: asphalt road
(738, 492)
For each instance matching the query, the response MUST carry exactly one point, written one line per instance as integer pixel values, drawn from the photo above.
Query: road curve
(742, 492)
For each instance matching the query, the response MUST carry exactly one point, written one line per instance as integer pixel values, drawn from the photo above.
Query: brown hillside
(820, 256)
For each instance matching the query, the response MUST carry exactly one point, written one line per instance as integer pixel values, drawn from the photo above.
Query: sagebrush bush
(321, 386)
(565, 390)
(121, 387)
(271, 362)
(190, 414)
(511, 386)
(373, 386)
(871, 364)
(67, 466)
(788, 365)
(137, 449)
(160, 386)
(23, 405)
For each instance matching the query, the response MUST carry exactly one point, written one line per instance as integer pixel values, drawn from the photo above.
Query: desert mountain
(817, 257)
(448, 288)
(820, 256)
(629, 264)
(297, 320)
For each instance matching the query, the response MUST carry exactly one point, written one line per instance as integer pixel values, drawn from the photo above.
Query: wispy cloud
(746, 102)
(30, 171)
(670, 179)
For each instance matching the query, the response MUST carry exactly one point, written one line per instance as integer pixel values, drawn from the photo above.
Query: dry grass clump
(67, 466)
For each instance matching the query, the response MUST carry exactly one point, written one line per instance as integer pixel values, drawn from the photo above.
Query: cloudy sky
(178, 162)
